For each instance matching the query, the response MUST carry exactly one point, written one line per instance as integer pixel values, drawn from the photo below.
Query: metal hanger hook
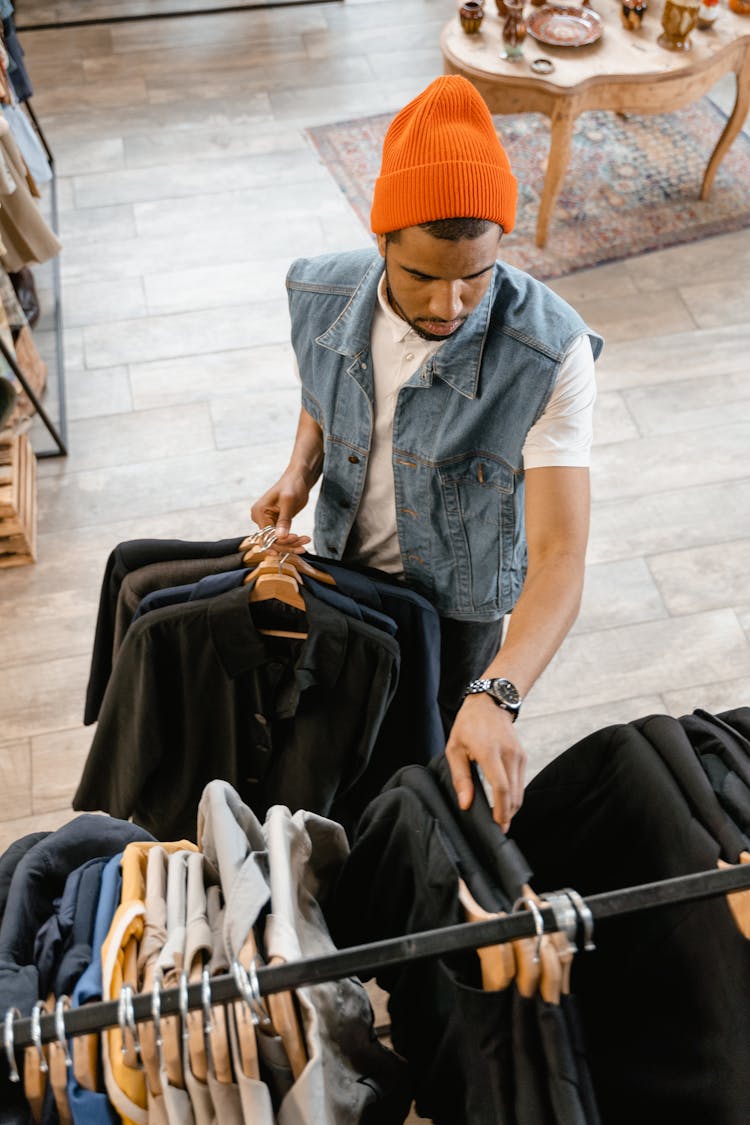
(249, 990)
(585, 917)
(566, 916)
(156, 1018)
(9, 1044)
(182, 1004)
(126, 1019)
(36, 1033)
(61, 1007)
(208, 1024)
(526, 902)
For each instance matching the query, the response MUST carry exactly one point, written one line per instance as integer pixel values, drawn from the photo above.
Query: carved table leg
(732, 127)
(561, 132)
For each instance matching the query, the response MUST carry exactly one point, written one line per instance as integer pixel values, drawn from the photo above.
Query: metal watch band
(485, 686)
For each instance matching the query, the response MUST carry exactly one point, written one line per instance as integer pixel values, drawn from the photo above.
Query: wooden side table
(625, 71)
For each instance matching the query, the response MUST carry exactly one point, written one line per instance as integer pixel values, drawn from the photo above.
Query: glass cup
(514, 31)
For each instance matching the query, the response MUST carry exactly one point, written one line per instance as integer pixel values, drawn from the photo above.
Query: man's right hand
(280, 505)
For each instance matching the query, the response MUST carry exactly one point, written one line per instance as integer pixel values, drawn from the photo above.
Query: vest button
(353, 460)
(344, 504)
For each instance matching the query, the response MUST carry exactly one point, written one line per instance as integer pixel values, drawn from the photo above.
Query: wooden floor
(187, 186)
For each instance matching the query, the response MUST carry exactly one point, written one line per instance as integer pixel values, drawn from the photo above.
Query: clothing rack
(366, 959)
(59, 433)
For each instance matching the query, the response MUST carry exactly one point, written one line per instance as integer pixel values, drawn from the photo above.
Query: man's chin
(437, 332)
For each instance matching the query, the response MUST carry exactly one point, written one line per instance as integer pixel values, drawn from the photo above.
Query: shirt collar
(241, 648)
(456, 361)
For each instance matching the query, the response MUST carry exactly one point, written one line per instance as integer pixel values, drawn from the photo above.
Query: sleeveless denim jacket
(460, 424)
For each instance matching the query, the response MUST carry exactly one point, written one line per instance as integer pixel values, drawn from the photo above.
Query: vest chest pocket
(479, 503)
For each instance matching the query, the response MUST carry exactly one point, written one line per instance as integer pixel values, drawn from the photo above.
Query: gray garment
(224, 1095)
(305, 853)
(197, 946)
(160, 576)
(170, 963)
(292, 860)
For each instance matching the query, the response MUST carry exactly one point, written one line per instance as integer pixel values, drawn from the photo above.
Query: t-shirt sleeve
(562, 436)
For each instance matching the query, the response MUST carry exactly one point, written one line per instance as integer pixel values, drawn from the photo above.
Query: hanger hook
(9, 1044)
(206, 1001)
(182, 1003)
(585, 917)
(126, 1019)
(526, 902)
(566, 917)
(36, 1033)
(250, 992)
(282, 560)
(61, 1007)
(206, 1005)
(260, 1005)
(156, 1018)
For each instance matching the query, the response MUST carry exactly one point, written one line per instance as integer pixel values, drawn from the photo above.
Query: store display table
(625, 71)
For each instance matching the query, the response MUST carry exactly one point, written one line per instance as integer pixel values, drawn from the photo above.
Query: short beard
(421, 332)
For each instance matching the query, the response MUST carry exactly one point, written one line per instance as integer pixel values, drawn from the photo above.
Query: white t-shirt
(562, 436)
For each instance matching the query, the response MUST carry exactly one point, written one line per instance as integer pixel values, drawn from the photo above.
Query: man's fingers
(462, 779)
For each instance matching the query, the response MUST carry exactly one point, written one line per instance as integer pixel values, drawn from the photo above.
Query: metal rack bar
(366, 959)
(59, 433)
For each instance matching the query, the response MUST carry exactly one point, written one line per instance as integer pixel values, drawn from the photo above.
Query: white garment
(562, 436)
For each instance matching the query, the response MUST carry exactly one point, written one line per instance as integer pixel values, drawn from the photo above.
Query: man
(446, 401)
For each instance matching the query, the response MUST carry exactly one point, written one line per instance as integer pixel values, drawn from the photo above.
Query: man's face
(434, 284)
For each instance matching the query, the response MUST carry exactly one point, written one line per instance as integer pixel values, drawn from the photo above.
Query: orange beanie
(442, 160)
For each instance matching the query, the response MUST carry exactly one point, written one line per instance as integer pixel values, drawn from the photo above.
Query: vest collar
(456, 363)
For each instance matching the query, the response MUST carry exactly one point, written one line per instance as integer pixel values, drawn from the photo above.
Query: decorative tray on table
(560, 26)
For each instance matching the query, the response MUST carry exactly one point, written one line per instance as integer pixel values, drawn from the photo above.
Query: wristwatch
(502, 692)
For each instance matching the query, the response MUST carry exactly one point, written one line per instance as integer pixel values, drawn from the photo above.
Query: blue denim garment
(92, 1107)
(460, 424)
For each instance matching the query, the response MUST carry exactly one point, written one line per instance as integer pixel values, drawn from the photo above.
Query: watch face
(504, 689)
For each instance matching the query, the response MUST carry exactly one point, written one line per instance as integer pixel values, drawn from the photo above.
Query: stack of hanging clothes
(99, 905)
(188, 686)
(490, 1038)
(664, 998)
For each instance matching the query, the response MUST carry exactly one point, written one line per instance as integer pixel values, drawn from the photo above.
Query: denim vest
(459, 428)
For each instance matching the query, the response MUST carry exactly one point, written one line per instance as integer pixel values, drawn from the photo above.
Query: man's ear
(381, 244)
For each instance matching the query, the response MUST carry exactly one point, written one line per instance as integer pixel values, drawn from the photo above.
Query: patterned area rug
(632, 183)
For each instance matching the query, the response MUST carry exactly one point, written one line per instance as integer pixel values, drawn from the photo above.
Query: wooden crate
(17, 501)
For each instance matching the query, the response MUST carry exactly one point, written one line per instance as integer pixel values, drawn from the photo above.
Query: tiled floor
(186, 188)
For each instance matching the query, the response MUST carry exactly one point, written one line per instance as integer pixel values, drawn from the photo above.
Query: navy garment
(663, 998)
(92, 1107)
(127, 557)
(17, 72)
(214, 584)
(38, 880)
(62, 947)
(198, 693)
(9, 861)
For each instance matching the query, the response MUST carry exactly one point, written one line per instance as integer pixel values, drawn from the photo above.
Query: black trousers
(466, 648)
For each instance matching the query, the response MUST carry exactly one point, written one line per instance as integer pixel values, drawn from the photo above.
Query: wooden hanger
(283, 1013)
(246, 1040)
(36, 1065)
(218, 1035)
(497, 962)
(58, 1064)
(277, 581)
(739, 901)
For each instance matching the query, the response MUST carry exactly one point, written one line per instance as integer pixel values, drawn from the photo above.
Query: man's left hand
(484, 733)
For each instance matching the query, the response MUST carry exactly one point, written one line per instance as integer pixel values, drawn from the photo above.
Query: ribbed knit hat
(442, 160)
